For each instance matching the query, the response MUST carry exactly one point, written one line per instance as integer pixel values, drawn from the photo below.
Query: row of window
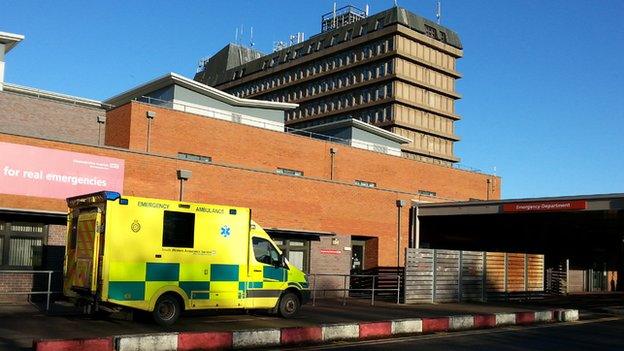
(314, 46)
(425, 53)
(341, 101)
(435, 161)
(424, 119)
(425, 75)
(426, 142)
(333, 82)
(424, 97)
(313, 68)
(371, 115)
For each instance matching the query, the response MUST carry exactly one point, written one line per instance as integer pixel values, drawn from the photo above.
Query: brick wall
(15, 283)
(43, 118)
(56, 234)
(226, 142)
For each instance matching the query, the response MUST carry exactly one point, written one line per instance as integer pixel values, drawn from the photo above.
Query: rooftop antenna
(366, 10)
(251, 42)
(334, 22)
(396, 3)
(438, 10)
(241, 35)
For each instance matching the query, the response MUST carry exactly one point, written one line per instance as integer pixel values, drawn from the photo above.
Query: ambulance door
(83, 271)
(268, 274)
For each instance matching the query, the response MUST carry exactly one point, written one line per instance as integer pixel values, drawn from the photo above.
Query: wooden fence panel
(495, 271)
(535, 272)
(515, 272)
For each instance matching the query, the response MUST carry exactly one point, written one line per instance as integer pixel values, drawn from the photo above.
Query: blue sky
(542, 85)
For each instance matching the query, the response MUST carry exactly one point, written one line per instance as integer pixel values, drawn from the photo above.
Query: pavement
(21, 324)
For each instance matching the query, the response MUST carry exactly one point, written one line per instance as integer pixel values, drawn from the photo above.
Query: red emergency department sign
(546, 206)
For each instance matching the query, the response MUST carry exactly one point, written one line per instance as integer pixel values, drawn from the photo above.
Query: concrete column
(2, 48)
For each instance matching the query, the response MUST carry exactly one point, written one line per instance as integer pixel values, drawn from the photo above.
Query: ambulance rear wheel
(166, 311)
(289, 305)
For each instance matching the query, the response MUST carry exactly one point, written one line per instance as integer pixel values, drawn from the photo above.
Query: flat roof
(40, 93)
(176, 79)
(594, 202)
(10, 40)
(359, 125)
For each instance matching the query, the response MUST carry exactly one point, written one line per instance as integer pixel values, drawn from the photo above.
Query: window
(427, 193)
(362, 30)
(319, 45)
(291, 172)
(178, 229)
(431, 32)
(25, 252)
(265, 252)
(21, 244)
(443, 36)
(192, 157)
(379, 23)
(296, 250)
(365, 184)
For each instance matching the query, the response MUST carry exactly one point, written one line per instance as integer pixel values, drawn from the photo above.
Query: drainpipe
(399, 204)
(332, 155)
(489, 183)
(416, 229)
(100, 121)
(150, 116)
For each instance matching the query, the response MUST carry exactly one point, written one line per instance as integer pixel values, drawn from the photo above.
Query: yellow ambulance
(167, 256)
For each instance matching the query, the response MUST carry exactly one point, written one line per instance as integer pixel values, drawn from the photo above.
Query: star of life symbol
(225, 231)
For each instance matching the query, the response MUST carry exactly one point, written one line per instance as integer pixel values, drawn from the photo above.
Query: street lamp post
(399, 204)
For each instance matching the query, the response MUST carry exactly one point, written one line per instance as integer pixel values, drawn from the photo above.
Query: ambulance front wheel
(289, 305)
(167, 310)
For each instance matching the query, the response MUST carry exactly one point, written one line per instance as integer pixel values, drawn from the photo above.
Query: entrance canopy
(587, 230)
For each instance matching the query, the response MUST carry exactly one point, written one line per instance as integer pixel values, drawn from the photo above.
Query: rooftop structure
(341, 17)
(7, 42)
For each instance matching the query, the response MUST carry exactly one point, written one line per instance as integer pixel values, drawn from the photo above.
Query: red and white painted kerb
(254, 338)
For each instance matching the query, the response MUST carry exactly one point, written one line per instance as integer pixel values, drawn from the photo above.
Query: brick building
(330, 201)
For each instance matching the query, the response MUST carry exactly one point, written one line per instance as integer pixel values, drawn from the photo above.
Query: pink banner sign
(35, 171)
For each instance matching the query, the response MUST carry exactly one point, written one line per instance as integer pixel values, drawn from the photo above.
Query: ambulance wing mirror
(282, 262)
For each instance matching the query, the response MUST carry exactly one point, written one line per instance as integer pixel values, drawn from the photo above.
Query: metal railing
(47, 292)
(210, 112)
(346, 289)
